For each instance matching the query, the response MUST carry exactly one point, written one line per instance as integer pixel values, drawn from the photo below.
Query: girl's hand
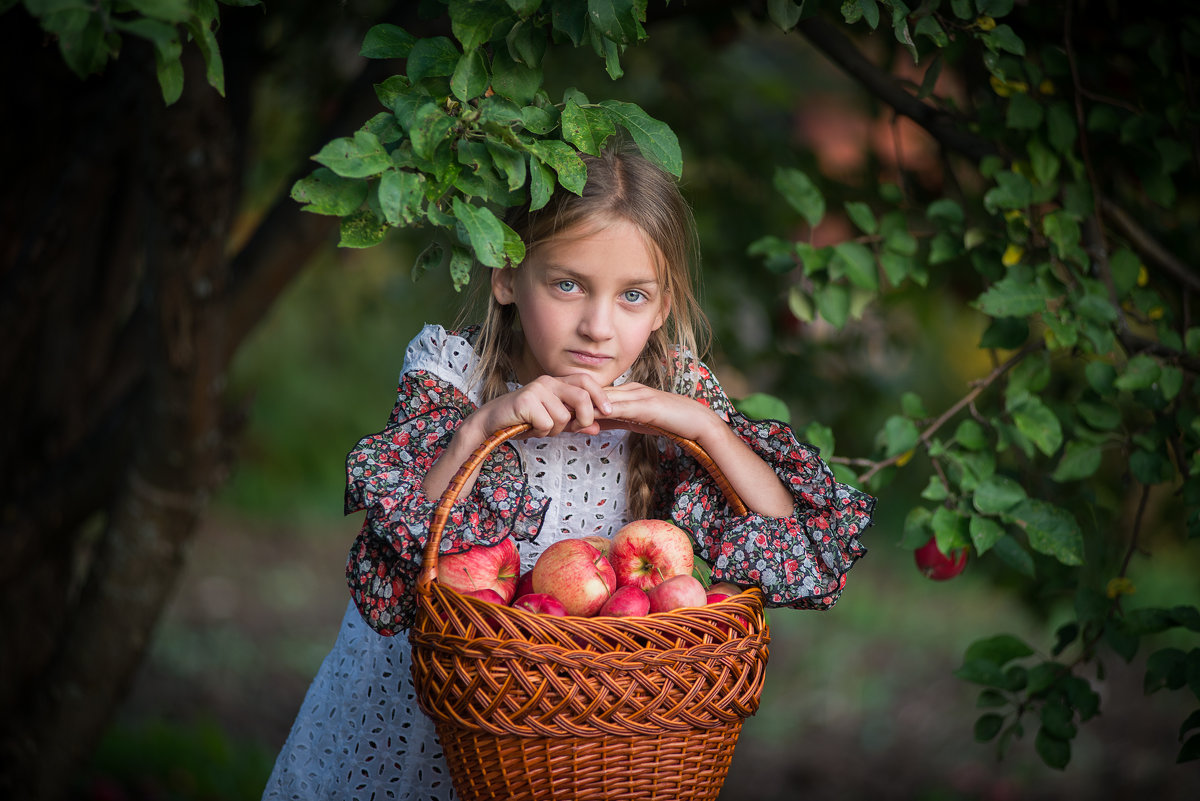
(634, 403)
(752, 478)
(549, 405)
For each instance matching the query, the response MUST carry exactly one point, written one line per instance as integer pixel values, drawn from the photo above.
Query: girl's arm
(752, 478)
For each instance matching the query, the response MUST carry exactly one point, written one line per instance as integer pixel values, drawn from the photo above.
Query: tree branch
(962, 402)
(842, 52)
(1149, 246)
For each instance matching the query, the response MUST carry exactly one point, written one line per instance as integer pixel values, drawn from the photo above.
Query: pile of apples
(646, 567)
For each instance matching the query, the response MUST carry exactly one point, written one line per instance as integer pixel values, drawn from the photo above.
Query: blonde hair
(621, 185)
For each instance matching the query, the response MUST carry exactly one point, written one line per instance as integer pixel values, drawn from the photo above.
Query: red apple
(939, 566)
(541, 603)
(627, 601)
(721, 590)
(575, 573)
(489, 595)
(648, 552)
(524, 585)
(676, 592)
(603, 544)
(491, 567)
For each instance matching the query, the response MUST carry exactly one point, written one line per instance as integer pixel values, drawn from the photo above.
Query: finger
(597, 394)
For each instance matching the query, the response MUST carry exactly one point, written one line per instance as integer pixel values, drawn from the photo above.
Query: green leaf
(1012, 554)
(510, 162)
(1006, 333)
(387, 41)
(1012, 296)
(326, 192)
(1039, 423)
(655, 139)
(1056, 753)
(970, 435)
(1003, 37)
(431, 58)
(917, 529)
(1024, 113)
(470, 78)
(518, 82)
(997, 495)
(400, 195)
(985, 533)
(1140, 373)
(1190, 751)
(431, 126)
(541, 183)
(801, 193)
(563, 159)
(862, 216)
(538, 120)
(362, 230)
(935, 491)
(1170, 382)
(1060, 126)
(460, 267)
(1100, 416)
(1124, 265)
(761, 406)
(858, 264)
(988, 726)
(1058, 720)
(833, 303)
(1051, 530)
(473, 23)
(946, 213)
(433, 256)
(524, 7)
(820, 436)
(484, 231)
(359, 156)
(784, 13)
(901, 435)
(1080, 460)
(999, 649)
(587, 129)
(614, 19)
(1012, 191)
(526, 44)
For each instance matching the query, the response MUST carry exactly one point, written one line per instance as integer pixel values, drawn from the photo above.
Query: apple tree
(1069, 145)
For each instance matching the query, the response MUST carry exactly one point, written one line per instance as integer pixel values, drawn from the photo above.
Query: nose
(597, 322)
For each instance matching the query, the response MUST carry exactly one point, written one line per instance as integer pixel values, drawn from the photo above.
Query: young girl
(591, 336)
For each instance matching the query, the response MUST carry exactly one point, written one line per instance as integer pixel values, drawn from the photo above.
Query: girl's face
(588, 301)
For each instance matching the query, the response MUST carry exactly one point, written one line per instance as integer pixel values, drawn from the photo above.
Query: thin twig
(962, 402)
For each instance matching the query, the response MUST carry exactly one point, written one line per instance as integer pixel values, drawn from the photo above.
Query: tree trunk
(113, 273)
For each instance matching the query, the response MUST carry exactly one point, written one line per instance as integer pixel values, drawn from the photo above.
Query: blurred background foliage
(859, 701)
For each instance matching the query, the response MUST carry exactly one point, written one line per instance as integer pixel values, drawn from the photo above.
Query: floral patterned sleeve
(385, 474)
(799, 561)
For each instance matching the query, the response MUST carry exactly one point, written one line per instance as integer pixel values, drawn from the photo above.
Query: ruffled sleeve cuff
(385, 477)
(799, 561)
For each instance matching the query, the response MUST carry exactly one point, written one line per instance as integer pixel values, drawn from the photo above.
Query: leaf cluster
(469, 130)
(1087, 322)
(90, 34)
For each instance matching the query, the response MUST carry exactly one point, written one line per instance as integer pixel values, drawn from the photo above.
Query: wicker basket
(531, 706)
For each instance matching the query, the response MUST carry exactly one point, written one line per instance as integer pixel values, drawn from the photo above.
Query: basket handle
(496, 439)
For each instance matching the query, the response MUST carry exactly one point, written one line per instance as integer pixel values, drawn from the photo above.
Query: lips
(589, 358)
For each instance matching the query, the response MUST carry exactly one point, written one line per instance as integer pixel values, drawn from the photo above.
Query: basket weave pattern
(542, 707)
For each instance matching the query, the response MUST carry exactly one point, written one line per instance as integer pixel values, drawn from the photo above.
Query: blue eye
(565, 286)
(634, 296)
